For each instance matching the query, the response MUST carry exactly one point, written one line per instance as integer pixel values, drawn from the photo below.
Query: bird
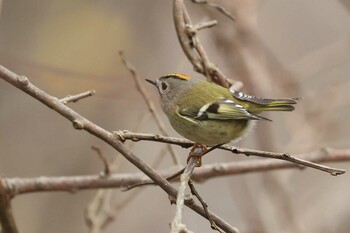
(209, 114)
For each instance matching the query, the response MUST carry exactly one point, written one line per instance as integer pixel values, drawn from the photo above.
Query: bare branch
(286, 157)
(187, 36)
(106, 171)
(217, 7)
(201, 26)
(81, 123)
(7, 220)
(177, 225)
(125, 135)
(204, 204)
(77, 97)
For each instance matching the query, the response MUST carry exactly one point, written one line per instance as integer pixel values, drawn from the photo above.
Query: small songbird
(209, 114)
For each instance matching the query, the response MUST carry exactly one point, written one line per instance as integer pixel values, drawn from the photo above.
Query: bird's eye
(164, 86)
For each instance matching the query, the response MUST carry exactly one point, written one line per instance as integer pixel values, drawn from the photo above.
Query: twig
(286, 157)
(106, 171)
(149, 103)
(217, 7)
(177, 225)
(204, 204)
(193, 48)
(201, 26)
(8, 224)
(194, 159)
(124, 135)
(81, 123)
(77, 97)
(127, 135)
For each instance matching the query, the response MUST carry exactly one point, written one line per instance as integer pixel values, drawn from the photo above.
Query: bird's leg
(198, 150)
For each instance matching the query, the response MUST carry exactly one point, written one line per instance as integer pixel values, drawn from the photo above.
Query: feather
(223, 109)
(263, 101)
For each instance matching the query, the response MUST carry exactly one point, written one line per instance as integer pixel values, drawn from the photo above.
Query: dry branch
(127, 135)
(194, 50)
(77, 97)
(177, 225)
(8, 224)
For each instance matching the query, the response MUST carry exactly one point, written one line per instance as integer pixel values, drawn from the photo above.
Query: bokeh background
(277, 48)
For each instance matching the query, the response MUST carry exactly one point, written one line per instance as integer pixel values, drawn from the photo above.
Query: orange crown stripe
(181, 76)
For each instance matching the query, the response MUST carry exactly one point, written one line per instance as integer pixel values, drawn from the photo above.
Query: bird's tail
(277, 105)
(257, 105)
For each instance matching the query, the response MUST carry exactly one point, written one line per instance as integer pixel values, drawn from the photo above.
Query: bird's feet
(198, 150)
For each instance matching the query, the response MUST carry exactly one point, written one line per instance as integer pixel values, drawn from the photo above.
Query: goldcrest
(209, 114)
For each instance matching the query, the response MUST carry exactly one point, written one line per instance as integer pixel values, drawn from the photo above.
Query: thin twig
(81, 123)
(8, 224)
(204, 204)
(106, 171)
(127, 135)
(149, 103)
(124, 135)
(203, 25)
(193, 49)
(217, 7)
(286, 157)
(194, 159)
(176, 224)
(77, 97)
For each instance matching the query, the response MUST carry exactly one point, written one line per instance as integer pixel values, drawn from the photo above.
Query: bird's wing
(223, 109)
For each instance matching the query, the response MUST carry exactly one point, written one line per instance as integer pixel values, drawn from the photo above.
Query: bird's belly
(212, 132)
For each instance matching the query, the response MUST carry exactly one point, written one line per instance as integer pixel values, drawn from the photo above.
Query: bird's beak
(154, 83)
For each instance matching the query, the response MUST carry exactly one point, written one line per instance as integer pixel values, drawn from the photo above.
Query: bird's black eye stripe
(164, 86)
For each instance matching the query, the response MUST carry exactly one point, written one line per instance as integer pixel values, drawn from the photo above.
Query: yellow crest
(180, 76)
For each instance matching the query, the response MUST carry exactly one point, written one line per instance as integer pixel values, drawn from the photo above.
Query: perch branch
(127, 135)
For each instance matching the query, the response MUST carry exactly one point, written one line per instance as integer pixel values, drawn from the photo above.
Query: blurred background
(277, 48)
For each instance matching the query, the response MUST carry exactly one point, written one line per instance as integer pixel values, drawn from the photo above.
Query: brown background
(276, 48)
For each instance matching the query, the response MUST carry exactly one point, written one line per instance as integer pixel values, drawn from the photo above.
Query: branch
(217, 7)
(76, 98)
(176, 225)
(286, 157)
(106, 170)
(81, 123)
(190, 44)
(7, 221)
(127, 135)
